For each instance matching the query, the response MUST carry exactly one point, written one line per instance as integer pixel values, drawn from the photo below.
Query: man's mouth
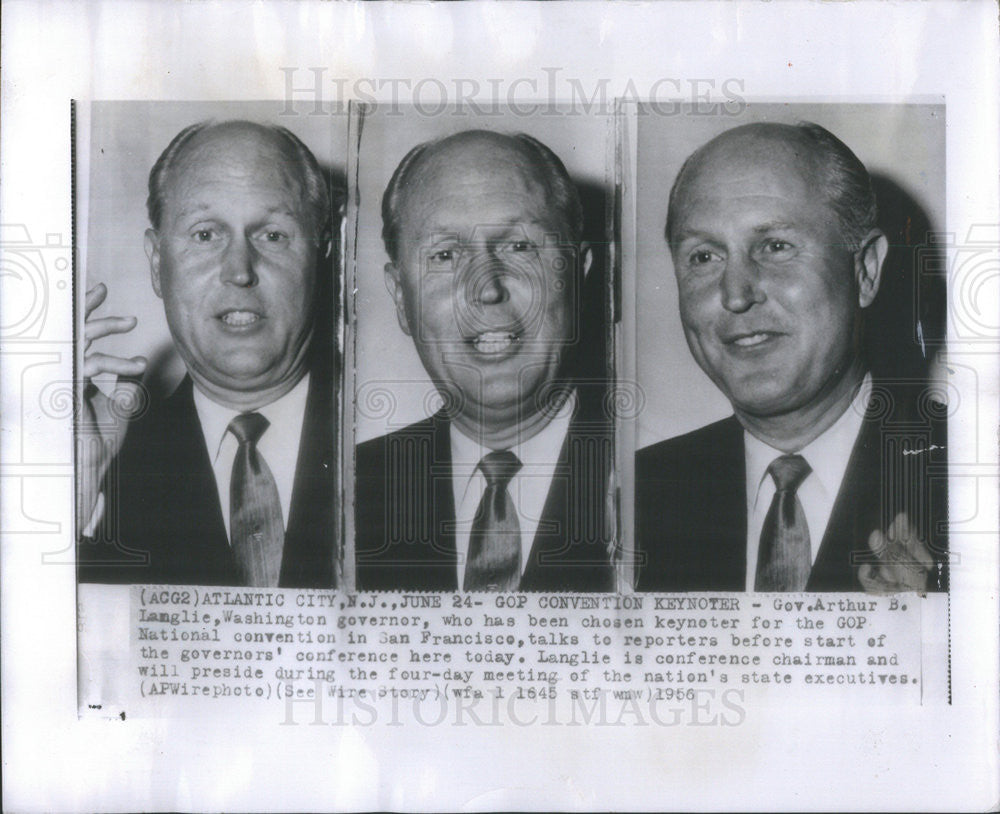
(750, 339)
(239, 319)
(494, 342)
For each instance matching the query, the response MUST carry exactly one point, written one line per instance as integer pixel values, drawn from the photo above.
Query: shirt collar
(827, 455)
(540, 450)
(215, 418)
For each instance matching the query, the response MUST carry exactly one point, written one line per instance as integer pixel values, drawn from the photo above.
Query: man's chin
(246, 379)
(508, 406)
(761, 401)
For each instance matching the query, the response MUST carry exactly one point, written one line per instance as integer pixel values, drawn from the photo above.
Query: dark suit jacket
(691, 513)
(163, 523)
(405, 512)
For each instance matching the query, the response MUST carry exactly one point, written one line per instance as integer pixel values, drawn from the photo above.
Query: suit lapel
(405, 510)
(854, 515)
(195, 518)
(691, 511)
(570, 549)
(308, 557)
(726, 551)
(552, 536)
(424, 505)
(880, 482)
(442, 558)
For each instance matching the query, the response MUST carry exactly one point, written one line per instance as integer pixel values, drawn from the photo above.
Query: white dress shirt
(279, 445)
(828, 455)
(529, 488)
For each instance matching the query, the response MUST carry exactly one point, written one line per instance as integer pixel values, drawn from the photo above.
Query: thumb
(129, 400)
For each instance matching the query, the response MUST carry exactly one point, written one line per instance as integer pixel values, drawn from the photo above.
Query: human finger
(876, 542)
(105, 326)
(95, 296)
(893, 532)
(910, 549)
(97, 363)
(902, 523)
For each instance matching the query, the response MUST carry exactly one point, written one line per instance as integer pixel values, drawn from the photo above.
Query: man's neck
(249, 400)
(792, 431)
(506, 434)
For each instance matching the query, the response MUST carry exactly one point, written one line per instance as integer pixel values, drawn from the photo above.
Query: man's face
(485, 282)
(235, 261)
(770, 296)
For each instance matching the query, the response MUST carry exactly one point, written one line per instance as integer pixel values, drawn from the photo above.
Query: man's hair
(545, 167)
(314, 186)
(840, 176)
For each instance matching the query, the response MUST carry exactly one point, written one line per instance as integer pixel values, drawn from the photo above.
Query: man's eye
(701, 257)
(775, 246)
(442, 256)
(522, 246)
(204, 235)
(274, 236)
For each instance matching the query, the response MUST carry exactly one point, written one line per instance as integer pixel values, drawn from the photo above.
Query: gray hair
(840, 176)
(561, 190)
(314, 185)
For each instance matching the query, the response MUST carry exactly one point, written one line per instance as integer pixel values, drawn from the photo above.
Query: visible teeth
(493, 341)
(747, 341)
(239, 318)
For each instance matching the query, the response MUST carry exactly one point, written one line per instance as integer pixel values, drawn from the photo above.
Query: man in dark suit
(231, 480)
(505, 488)
(823, 479)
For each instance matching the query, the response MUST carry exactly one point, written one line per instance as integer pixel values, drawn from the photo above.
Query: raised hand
(103, 420)
(904, 561)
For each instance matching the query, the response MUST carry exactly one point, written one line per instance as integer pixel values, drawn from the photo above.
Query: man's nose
(237, 264)
(740, 284)
(488, 283)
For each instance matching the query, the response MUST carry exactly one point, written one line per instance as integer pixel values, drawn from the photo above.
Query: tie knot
(499, 467)
(248, 427)
(788, 472)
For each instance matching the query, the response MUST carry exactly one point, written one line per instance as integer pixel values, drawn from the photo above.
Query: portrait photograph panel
(208, 343)
(784, 323)
(477, 254)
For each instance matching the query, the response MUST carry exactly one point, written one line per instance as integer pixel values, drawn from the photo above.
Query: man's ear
(868, 262)
(151, 242)
(395, 288)
(586, 259)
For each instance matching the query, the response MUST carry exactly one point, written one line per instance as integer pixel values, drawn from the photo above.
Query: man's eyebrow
(687, 234)
(507, 223)
(773, 224)
(281, 208)
(191, 209)
(198, 208)
(548, 226)
(436, 236)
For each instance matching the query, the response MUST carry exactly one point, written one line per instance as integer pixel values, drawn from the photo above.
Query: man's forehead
(450, 195)
(231, 147)
(248, 158)
(469, 167)
(767, 162)
(766, 176)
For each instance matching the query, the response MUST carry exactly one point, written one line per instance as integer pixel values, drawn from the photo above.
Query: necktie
(255, 523)
(494, 562)
(785, 557)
